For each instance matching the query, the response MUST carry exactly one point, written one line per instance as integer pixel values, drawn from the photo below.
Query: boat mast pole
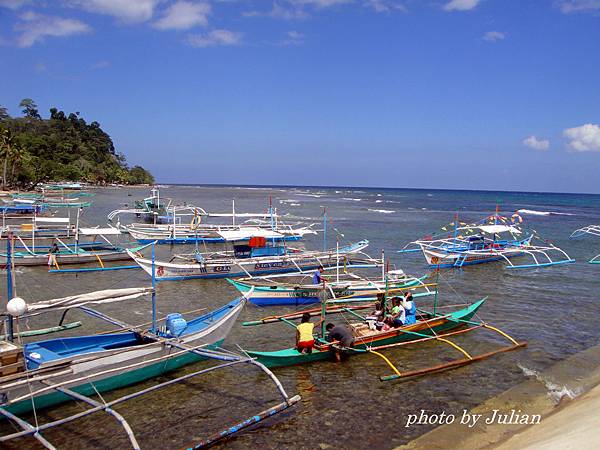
(153, 289)
(435, 298)
(382, 264)
(337, 261)
(271, 212)
(9, 286)
(323, 310)
(233, 212)
(77, 231)
(324, 229)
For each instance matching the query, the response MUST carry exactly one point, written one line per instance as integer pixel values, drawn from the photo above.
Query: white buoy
(16, 306)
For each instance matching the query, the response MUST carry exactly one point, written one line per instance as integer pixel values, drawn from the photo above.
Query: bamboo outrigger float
(590, 230)
(45, 373)
(429, 326)
(494, 238)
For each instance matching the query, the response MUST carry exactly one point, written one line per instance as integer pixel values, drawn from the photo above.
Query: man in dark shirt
(339, 333)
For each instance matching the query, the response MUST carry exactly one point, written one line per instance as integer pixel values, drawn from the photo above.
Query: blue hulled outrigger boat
(494, 238)
(45, 373)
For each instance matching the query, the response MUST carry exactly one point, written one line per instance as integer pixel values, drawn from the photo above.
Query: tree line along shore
(62, 147)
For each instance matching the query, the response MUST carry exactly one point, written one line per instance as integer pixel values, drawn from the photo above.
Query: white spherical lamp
(16, 306)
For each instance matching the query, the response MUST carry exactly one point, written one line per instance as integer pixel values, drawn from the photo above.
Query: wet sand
(565, 422)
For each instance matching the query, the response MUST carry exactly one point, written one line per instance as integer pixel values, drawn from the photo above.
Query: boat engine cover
(175, 324)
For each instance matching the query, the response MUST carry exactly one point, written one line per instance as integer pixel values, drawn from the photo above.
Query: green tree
(6, 146)
(4, 114)
(30, 108)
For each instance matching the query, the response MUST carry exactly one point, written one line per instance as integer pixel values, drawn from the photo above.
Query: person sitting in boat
(410, 309)
(305, 340)
(398, 317)
(375, 319)
(317, 277)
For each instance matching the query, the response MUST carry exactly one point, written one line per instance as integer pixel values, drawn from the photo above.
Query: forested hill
(62, 147)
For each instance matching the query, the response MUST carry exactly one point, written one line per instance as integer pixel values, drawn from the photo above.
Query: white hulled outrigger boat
(258, 257)
(186, 224)
(494, 238)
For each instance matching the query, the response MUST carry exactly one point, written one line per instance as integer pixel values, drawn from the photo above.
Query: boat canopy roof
(52, 220)
(247, 233)
(96, 297)
(495, 229)
(96, 231)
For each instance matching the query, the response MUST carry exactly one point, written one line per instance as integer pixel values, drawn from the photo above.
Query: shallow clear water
(346, 405)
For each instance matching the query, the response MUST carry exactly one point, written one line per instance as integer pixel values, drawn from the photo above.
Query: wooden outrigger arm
(468, 359)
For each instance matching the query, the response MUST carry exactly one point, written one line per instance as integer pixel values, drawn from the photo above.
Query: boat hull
(241, 267)
(446, 260)
(437, 325)
(310, 294)
(116, 368)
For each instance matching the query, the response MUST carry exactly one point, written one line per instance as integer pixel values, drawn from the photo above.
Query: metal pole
(153, 289)
(337, 261)
(77, 230)
(9, 286)
(324, 229)
(437, 286)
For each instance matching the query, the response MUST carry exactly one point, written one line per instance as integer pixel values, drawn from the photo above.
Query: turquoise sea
(344, 404)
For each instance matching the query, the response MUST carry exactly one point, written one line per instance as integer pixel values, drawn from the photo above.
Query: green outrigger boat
(429, 326)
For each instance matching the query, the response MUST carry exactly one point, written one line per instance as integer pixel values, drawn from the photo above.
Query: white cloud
(573, 6)
(124, 10)
(215, 38)
(493, 36)
(279, 12)
(460, 5)
(321, 3)
(585, 138)
(537, 144)
(35, 27)
(292, 38)
(13, 4)
(384, 5)
(184, 15)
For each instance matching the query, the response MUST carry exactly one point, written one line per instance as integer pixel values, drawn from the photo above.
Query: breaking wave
(533, 212)
(382, 211)
(555, 391)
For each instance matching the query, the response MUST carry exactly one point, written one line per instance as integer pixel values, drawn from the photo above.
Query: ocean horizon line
(373, 188)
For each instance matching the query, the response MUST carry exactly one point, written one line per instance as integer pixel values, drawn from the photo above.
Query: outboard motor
(175, 324)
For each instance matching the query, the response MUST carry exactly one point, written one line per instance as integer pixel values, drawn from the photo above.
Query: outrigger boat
(494, 238)
(99, 249)
(259, 257)
(429, 326)
(270, 291)
(45, 373)
(188, 225)
(592, 230)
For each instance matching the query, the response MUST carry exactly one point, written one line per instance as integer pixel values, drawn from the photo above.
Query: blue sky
(473, 94)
